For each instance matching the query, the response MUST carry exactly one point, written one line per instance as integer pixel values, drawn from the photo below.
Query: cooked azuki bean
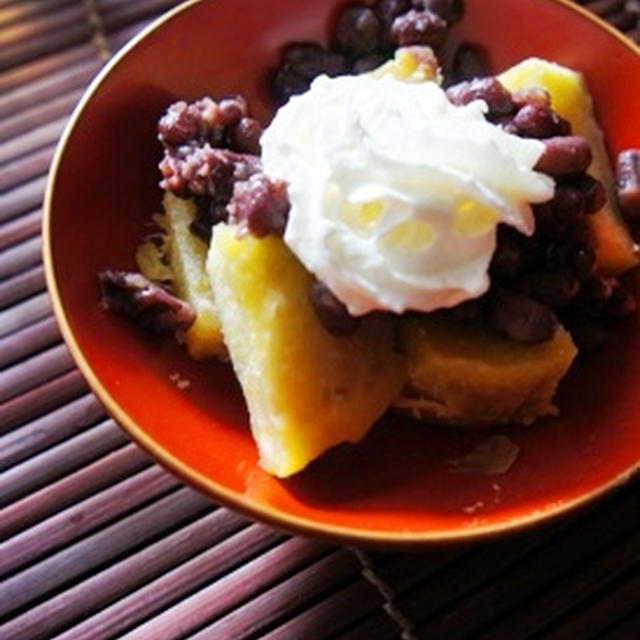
(507, 259)
(368, 63)
(565, 155)
(562, 213)
(232, 110)
(330, 311)
(387, 11)
(358, 31)
(301, 63)
(490, 90)
(533, 121)
(536, 97)
(184, 123)
(522, 318)
(146, 302)
(590, 336)
(204, 170)
(260, 205)
(469, 63)
(245, 136)
(449, 10)
(178, 125)
(209, 213)
(419, 27)
(592, 191)
(595, 294)
(584, 262)
(555, 288)
(558, 255)
(468, 311)
(621, 303)
(628, 181)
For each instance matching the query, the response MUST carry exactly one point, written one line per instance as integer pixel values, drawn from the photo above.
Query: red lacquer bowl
(397, 487)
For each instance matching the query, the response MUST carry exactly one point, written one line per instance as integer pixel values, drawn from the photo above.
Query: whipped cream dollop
(396, 193)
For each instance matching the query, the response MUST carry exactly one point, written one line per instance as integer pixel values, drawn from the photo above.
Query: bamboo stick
(35, 370)
(21, 286)
(250, 619)
(49, 429)
(20, 229)
(22, 11)
(111, 542)
(228, 591)
(49, 465)
(28, 341)
(124, 577)
(80, 484)
(81, 519)
(44, 398)
(39, 114)
(26, 197)
(24, 313)
(28, 167)
(21, 256)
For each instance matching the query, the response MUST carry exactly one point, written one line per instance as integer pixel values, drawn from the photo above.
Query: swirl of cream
(396, 193)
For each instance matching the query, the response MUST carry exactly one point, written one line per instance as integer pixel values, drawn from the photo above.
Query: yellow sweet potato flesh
(187, 255)
(471, 377)
(306, 390)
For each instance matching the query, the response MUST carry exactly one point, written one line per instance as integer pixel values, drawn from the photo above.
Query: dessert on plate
(386, 242)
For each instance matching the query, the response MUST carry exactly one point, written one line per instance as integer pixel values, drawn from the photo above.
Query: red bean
(146, 302)
(522, 318)
(468, 311)
(358, 31)
(419, 27)
(621, 304)
(590, 336)
(301, 63)
(245, 136)
(490, 90)
(449, 10)
(595, 197)
(260, 205)
(232, 110)
(534, 121)
(535, 97)
(368, 63)
(507, 259)
(331, 312)
(555, 288)
(469, 62)
(387, 11)
(565, 155)
(584, 262)
(628, 183)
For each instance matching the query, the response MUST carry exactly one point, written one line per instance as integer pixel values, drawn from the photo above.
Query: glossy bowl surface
(399, 486)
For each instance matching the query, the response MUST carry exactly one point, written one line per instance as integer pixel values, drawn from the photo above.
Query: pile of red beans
(366, 36)
(212, 154)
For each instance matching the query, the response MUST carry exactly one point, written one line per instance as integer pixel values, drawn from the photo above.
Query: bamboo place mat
(100, 542)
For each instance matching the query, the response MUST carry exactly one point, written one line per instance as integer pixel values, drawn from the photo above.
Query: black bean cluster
(365, 36)
(208, 147)
(551, 276)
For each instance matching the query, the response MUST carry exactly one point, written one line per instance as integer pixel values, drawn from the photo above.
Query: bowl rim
(236, 500)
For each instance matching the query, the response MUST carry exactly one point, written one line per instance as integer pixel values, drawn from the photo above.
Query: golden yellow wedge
(182, 259)
(470, 377)
(306, 390)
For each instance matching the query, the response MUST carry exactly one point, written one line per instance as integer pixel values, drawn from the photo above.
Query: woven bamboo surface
(100, 542)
